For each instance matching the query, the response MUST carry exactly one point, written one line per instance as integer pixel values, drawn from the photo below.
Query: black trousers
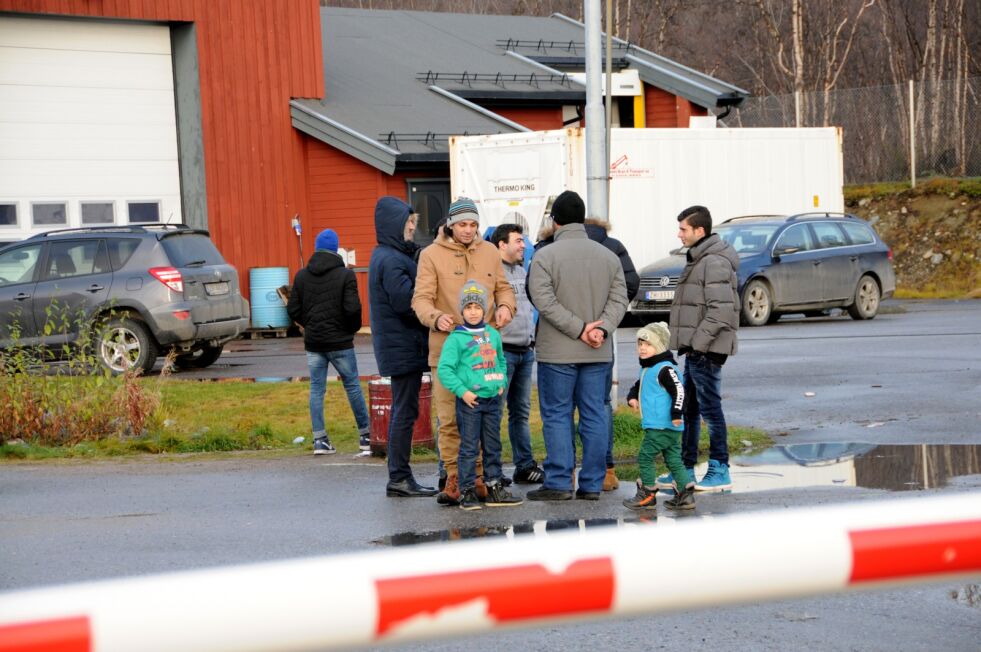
(405, 411)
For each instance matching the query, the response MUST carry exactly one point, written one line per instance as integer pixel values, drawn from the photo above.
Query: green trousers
(668, 444)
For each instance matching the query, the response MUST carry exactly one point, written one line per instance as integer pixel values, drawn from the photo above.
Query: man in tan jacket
(457, 254)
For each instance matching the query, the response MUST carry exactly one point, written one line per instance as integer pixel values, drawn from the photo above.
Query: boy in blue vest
(473, 367)
(659, 395)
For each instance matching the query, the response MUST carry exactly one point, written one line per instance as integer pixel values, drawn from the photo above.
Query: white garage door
(88, 134)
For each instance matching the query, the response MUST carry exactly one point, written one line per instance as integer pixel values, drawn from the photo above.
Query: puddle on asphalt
(893, 467)
(532, 528)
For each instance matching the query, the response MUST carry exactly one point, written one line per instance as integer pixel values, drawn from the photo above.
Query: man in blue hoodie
(324, 301)
(401, 342)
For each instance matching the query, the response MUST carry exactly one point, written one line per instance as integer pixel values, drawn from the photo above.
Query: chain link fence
(876, 126)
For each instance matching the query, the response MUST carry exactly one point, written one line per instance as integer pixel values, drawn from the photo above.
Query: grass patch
(968, 186)
(196, 417)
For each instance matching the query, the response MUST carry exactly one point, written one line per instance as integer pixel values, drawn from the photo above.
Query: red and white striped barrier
(439, 590)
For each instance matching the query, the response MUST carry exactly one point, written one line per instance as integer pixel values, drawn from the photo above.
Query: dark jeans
(405, 411)
(480, 429)
(703, 400)
(519, 406)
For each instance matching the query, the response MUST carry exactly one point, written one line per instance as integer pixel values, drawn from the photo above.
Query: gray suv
(145, 289)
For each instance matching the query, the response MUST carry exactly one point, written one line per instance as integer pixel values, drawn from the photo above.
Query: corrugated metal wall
(536, 119)
(253, 55)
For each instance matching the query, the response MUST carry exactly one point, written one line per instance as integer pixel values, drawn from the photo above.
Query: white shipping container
(654, 175)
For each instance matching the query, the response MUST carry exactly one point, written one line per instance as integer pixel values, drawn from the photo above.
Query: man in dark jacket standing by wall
(703, 323)
(597, 230)
(401, 342)
(324, 301)
(577, 286)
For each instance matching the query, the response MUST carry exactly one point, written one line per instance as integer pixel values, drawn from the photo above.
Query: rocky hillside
(934, 232)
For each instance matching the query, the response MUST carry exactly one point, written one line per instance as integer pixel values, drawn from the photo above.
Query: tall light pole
(597, 161)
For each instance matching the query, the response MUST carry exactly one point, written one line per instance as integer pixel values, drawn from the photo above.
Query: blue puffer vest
(655, 402)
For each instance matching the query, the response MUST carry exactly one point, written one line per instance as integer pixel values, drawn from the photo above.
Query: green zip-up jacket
(473, 360)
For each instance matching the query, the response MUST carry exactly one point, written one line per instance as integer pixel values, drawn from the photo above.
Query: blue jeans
(346, 365)
(561, 389)
(519, 406)
(608, 406)
(405, 411)
(480, 429)
(703, 400)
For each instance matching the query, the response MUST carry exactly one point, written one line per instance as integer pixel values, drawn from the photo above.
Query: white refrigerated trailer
(654, 175)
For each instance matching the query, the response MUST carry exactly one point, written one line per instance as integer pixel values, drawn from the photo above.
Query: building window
(49, 214)
(8, 214)
(141, 212)
(100, 212)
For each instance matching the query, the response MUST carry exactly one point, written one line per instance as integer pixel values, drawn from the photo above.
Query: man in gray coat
(577, 285)
(703, 323)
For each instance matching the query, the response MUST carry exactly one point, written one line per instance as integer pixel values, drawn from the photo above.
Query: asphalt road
(82, 521)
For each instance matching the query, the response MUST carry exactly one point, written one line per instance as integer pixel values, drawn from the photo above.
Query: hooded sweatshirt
(401, 343)
(324, 301)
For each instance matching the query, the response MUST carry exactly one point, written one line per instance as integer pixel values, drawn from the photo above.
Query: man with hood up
(401, 343)
(324, 301)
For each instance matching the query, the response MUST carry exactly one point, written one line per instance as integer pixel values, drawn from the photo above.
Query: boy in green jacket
(473, 367)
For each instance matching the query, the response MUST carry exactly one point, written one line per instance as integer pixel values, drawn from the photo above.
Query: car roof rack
(797, 216)
(751, 217)
(119, 228)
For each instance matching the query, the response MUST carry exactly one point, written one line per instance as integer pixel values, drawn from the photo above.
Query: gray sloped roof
(398, 83)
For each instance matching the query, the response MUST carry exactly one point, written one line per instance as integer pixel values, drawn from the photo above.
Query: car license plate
(659, 295)
(215, 289)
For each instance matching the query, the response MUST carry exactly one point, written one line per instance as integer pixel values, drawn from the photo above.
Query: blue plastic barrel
(268, 310)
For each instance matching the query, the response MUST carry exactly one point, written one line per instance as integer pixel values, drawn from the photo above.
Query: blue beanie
(326, 241)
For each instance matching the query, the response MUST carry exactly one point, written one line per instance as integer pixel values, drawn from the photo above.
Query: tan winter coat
(444, 266)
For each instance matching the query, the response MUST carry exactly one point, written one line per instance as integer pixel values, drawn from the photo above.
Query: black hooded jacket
(324, 301)
(598, 234)
(401, 342)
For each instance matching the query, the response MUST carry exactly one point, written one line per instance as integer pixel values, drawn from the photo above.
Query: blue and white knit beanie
(462, 209)
(473, 292)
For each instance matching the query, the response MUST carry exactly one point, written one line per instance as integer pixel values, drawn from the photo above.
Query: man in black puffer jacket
(401, 342)
(324, 301)
(597, 232)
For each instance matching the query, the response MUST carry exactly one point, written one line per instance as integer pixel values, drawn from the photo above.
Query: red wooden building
(267, 124)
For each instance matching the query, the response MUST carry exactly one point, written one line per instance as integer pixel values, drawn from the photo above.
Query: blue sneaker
(716, 478)
(666, 481)
(322, 446)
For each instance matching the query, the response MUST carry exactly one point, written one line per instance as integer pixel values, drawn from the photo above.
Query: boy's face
(645, 349)
(472, 313)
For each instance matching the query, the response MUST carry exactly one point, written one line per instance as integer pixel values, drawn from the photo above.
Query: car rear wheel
(205, 357)
(125, 343)
(867, 298)
(757, 304)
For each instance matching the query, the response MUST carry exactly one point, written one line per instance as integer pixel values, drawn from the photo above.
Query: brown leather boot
(610, 482)
(481, 489)
(450, 495)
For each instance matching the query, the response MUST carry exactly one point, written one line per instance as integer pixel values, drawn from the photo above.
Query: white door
(88, 132)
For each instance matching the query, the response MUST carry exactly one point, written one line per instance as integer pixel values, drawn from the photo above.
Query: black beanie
(568, 208)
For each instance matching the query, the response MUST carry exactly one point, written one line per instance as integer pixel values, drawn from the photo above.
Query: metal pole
(614, 390)
(912, 138)
(597, 162)
(797, 109)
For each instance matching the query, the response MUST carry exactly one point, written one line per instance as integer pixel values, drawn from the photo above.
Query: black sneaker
(684, 500)
(587, 495)
(468, 500)
(645, 500)
(364, 441)
(549, 494)
(532, 475)
(498, 496)
(323, 446)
